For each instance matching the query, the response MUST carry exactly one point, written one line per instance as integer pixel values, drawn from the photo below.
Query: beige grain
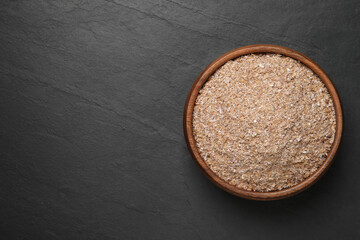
(264, 122)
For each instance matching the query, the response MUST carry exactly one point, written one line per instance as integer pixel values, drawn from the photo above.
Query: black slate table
(92, 96)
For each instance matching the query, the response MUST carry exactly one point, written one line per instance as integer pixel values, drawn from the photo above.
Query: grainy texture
(91, 102)
(264, 122)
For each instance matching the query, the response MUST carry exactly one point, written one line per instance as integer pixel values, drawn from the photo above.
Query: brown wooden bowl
(203, 77)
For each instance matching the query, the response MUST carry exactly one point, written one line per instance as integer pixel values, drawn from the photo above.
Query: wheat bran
(264, 122)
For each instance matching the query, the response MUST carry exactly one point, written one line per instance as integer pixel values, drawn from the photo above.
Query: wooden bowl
(188, 115)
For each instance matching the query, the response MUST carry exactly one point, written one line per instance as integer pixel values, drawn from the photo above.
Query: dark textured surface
(92, 96)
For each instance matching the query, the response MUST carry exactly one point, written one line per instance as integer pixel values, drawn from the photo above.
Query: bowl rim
(203, 77)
